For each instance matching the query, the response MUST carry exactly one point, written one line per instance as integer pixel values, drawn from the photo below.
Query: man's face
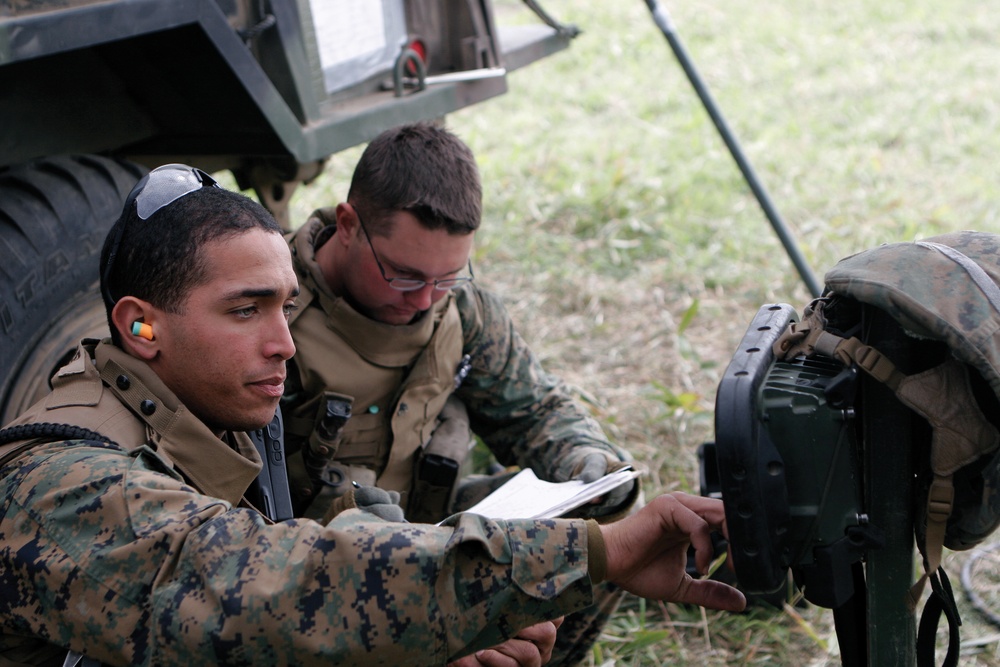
(412, 251)
(224, 354)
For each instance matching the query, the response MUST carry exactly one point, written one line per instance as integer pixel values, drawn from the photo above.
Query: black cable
(663, 21)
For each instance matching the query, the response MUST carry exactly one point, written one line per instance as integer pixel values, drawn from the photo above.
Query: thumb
(711, 595)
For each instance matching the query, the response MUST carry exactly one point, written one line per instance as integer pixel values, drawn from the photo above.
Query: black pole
(662, 19)
(889, 443)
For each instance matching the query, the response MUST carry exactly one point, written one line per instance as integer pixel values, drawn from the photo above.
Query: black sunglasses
(157, 189)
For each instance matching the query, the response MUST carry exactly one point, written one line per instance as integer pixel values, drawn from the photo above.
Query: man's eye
(245, 313)
(290, 308)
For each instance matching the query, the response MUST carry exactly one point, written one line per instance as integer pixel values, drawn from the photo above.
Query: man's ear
(347, 223)
(135, 321)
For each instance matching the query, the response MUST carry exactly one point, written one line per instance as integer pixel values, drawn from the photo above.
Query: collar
(222, 468)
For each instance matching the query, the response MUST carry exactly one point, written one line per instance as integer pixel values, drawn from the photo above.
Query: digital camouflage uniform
(399, 379)
(145, 552)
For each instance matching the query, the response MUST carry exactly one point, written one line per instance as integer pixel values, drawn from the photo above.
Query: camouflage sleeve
(113, 555)
(525, 415)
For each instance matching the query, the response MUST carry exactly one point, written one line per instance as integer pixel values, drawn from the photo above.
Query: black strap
(39, 434)
(941, 600)
(851, 622)
(49, 431)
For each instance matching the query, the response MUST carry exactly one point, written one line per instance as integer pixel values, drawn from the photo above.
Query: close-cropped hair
(422, 169)
(159, 259)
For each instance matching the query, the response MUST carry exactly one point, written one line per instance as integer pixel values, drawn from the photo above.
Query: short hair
(422, 169)
(159, 259)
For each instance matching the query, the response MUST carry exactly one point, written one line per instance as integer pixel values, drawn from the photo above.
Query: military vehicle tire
(54, 215)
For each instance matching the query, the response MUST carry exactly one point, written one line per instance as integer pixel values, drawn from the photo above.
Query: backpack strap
(810, 337)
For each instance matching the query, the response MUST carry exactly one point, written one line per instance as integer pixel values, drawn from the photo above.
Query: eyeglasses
(411, 284)
(157, 189)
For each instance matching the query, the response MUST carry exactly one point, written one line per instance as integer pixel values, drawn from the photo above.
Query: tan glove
(589, 464)
(383, 504)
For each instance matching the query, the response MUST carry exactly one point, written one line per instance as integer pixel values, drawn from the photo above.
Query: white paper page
(594, 489)
(527, 497)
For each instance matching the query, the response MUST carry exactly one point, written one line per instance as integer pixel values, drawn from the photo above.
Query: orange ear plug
(142, 330)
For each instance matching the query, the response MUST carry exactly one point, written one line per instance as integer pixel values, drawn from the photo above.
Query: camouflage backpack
(942, 289)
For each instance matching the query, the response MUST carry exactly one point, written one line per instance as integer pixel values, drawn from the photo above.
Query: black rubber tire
(54, 215)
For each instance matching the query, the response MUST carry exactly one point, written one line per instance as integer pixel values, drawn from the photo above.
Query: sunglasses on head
(157, 189)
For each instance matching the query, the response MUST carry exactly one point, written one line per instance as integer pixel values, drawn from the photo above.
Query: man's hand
(647, 552)
(531, 647)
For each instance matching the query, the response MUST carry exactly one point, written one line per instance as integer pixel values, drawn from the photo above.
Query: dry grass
(632, 255)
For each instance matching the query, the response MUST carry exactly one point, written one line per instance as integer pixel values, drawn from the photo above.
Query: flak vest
(397, 378)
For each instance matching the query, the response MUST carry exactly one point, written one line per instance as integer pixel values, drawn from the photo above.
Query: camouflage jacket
(526, 416)
(113, 551)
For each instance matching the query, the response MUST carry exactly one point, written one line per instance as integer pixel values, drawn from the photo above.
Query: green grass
(632, 254)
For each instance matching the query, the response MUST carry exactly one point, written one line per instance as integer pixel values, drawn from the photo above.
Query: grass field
(633, 255)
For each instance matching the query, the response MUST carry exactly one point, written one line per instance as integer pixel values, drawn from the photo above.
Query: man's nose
(280, 342)
(423, 298)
